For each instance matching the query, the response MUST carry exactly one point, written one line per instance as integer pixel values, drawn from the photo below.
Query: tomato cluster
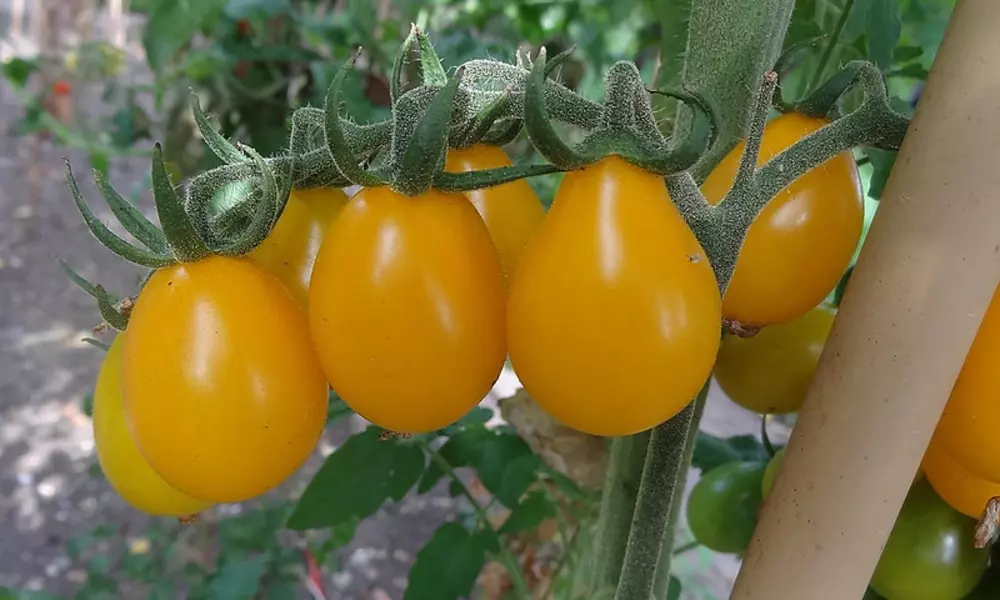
(408, 306)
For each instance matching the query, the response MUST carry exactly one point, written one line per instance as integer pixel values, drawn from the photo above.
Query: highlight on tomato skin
(614, 311)
(770, 372)
(290, 250)
(406, 308)
(512, 211)
(224, 392)
(123, 465)
(799, 246)
(968, 426)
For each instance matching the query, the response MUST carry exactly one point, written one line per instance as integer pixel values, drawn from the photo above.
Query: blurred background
(98, 81)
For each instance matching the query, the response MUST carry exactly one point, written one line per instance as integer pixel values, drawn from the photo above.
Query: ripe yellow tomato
(222, 386)
(799, 246)
(289, 251)
(124, 467)
(968, 427)
(962, 489)
(406, 308)
(512, 211)
(614, 312)
(771, 371)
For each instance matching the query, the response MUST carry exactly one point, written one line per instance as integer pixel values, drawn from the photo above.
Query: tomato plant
(771, 472)
(722, 508)
(290, 250)
(406, 308)
(929, 554)
(799, 246)
(124, 466)
(771, 371)
(962, 489)
(967, 427)
(613, 318)
(223, 390)
(511, 211)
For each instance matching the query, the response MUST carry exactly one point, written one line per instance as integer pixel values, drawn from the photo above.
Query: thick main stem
(924, 278)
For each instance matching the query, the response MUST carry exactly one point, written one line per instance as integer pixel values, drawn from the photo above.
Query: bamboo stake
(922, 283)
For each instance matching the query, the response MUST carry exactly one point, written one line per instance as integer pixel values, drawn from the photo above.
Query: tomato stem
(657, 506)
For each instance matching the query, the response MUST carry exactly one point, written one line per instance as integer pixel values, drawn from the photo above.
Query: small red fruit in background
(62, 88)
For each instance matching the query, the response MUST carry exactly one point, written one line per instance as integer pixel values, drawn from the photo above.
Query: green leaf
(354, 481)
(410, 463)
(17, 71)
(447, 567)
(517, 477)
(882, 162)
(337, 408)
(674, 589)
(238, 580)
(535, 508)
(87, 405)
(884, 29)
(711, 451)
(173, 23)
(838, 293)
(904, 54)
(243, 9)
(252, 530)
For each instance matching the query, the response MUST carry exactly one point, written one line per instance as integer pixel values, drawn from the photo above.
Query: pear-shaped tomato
(799, 246)
(614, 312)
(406, 308)
(222, 386)
(124, 467)
(963, 490)
(289, 251)
(511, 211)
(968, 427)
(771, 371)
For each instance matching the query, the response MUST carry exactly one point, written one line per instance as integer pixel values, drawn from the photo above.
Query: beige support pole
(922, 283)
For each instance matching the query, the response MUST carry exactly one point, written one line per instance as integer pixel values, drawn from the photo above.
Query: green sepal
(266, 214)
(109, 313)
(343, 155)
(480, 126)
(96, 343)
(396, 77)
(701, 134)
(821, 103)
(131, 217)
(203, 193)
(110, 239)
(503, 132)
(476, 180)
(539, 128)
(182, 236)
(425, 150)
(80, 281)
(431, 69)
(558, 59)
(216, 142)
(785, 63)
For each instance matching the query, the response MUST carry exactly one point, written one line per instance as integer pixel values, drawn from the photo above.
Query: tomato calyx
(988, 528)
(740, 329)
(627, 126)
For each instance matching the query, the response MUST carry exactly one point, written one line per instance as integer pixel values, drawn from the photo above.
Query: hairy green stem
(831, 45)
(666, 465)
(506, 558)
(621, 486)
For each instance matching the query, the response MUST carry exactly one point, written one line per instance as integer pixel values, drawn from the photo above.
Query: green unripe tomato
(722, 508)
(929, 554)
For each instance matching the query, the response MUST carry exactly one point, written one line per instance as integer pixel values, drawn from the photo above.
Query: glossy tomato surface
(963, 490)
(801, 243)
(968, 427)
(771, 371)
(930, 553)
(722, 508)
(614, 312)
(290, 250)
(222, 386)
(406, 308)
(121, 462)
(512, 211)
